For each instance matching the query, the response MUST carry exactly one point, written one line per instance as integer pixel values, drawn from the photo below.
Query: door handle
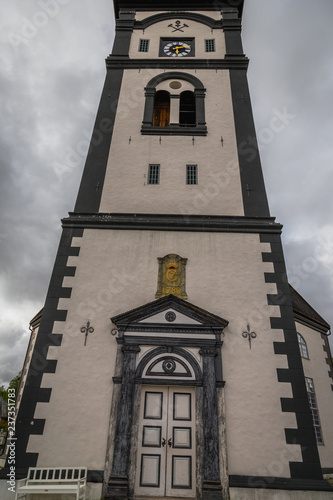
(169, 442)
(163, 441)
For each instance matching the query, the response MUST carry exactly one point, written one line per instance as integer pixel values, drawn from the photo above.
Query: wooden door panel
(150, 480)
(182, 437)
(152, 436)
(180, 474)
(150, 471)
(153, 405)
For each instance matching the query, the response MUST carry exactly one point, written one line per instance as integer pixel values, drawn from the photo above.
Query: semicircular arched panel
(169, 366)
(160, 363)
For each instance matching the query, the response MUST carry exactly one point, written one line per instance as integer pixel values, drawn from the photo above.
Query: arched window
(303, 348)
(175, 105)
(161, 116)
(187, 113)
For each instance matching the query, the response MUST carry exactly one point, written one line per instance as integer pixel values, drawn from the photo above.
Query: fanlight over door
(166, 447)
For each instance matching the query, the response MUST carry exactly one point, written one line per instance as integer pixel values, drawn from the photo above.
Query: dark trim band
(173, 5)
(229, 62)
(278, 483)
(304, 434)
(173, 222)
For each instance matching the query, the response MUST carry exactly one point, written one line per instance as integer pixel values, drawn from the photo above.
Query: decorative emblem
(87, 329)
(171, 274)
(171, 277)
(169, 365)
(177, 26)
(250, 335)
(170, 316)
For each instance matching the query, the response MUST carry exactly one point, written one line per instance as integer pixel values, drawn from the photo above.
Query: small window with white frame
(303, 348)
(144, 45)
(191, 174)
(154, 174)
(210, 45)
(314, 410)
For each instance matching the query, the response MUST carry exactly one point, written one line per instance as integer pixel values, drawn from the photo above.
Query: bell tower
(196, 385)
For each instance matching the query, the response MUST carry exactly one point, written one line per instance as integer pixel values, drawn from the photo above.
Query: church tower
(195, 388)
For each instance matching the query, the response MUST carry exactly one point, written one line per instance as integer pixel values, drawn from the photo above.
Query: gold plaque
(171, 276)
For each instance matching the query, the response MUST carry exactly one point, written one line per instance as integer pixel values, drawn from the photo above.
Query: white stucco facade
(110, 268)
(120, 281)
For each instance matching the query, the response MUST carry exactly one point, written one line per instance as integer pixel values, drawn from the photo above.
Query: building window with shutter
(154, 174)
(191, 174)
(210, 45)
(314, 409)
(144, 45)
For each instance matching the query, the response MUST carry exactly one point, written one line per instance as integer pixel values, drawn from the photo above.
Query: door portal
(166, 447)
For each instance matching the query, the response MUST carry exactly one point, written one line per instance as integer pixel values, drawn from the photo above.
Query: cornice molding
(174, 222)
(310, 323)
(229, 62)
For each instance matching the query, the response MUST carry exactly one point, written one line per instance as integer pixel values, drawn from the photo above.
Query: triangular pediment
(169, 312)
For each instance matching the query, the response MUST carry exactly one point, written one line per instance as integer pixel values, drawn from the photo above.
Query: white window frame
(303, 348)
(314, 410)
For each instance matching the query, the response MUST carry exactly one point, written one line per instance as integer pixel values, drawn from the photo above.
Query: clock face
(177, 48)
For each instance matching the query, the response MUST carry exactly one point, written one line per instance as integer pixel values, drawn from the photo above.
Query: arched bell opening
(187, 112)
(161, 115)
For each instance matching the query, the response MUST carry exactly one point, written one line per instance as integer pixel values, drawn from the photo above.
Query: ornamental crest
(171, 276)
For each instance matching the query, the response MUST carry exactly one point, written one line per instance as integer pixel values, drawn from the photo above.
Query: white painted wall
(117, 271)
(219, 189)
(200, 31)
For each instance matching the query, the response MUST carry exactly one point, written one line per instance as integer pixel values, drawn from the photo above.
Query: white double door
(166, 443)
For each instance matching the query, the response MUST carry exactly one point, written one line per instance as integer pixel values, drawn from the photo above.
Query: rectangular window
(191, 174)
(314, 409)
(210, 45)
(144, 45)
(154, 174)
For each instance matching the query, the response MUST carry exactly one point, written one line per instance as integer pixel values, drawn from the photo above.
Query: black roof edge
(304, 311)
(177, 5)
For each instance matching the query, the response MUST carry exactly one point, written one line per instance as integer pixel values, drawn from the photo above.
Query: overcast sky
(52, 71)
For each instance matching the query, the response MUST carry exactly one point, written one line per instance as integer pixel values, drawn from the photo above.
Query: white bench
(53, 480)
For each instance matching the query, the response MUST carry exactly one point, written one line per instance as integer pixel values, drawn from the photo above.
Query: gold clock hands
(180, 47)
